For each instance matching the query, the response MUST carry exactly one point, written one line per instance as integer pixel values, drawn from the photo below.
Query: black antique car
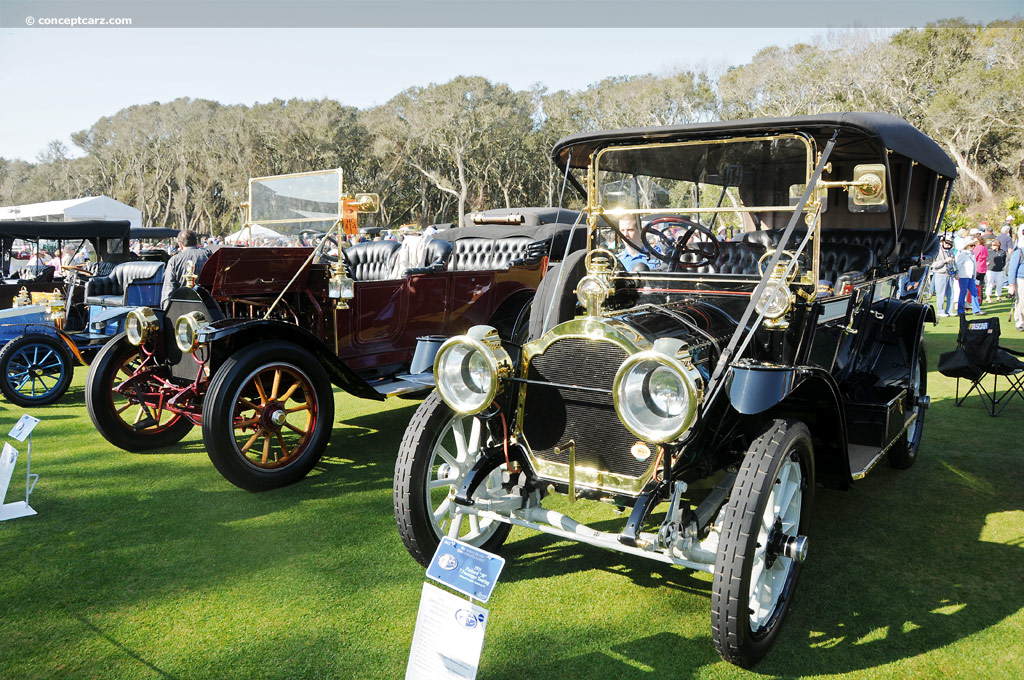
(761, 335)
(249, 351)
(59, 312)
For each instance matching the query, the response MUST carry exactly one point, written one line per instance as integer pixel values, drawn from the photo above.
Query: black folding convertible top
(31, 231)
(888, 131)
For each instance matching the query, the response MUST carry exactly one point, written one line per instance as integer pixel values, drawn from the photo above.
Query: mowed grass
(153, 566)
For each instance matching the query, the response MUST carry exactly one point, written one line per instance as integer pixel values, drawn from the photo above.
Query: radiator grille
(553, 415)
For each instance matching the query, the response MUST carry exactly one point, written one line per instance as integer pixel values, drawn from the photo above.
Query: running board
(404, 384)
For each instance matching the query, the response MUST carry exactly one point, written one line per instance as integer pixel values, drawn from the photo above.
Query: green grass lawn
(153, 566)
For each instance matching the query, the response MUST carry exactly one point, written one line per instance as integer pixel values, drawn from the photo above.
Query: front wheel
(267, 416)
(131, 419)
(35, 370)
(763, 542)
(438, 449)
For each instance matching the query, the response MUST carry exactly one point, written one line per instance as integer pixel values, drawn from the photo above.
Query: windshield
(292, 210)
(721, 189)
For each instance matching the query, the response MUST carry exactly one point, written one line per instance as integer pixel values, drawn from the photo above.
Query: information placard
(23, 428)
(467, 569)
(8, 459)
(448, 639)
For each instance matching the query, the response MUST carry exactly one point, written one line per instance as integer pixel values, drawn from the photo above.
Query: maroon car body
(267, 340)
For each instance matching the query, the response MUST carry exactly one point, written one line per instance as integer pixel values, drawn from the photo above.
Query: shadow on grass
(665, 655)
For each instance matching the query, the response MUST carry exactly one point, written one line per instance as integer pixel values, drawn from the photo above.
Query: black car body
(722, 377)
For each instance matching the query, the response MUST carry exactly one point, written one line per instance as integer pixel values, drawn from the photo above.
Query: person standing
(1015, 275)
(943, 274)
(176, 267)
(996, 269)
(966, 269)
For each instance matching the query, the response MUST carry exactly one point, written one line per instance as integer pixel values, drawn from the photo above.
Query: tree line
(439, 151)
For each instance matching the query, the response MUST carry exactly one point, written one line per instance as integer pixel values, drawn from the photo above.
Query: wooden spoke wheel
(267, 421)
(135, 419)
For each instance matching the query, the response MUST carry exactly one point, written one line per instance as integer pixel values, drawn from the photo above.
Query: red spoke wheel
(267, 416)
(135, 419)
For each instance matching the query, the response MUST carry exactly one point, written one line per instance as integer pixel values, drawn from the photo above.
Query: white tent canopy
(74, 210)
(250, 232)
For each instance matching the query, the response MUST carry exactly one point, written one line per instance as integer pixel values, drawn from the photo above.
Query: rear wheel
(903, 454)
(135, 419)
(268, 415)
(35, 370)
(438, 449)
(763, 542)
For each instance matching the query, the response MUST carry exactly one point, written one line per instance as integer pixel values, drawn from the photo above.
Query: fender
(894, 329)
(227, 331)
(54, 332)
(808, 393)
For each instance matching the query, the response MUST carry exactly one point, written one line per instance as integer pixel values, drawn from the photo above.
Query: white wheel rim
(915, 390)
(767, 582)
(454, 455)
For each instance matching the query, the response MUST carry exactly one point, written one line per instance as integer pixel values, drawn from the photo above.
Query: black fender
(894, 330)
(233, 334)
(807, 393)
(507, 317)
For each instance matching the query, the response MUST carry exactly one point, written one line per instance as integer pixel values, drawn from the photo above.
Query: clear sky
(56, 82)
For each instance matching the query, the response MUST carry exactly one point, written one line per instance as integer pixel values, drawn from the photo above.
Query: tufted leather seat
(371, 260)
(845, 258)
(470, 254)
(733, 258)
(129, 284)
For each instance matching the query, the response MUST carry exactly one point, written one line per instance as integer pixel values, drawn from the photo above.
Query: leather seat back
(733, 258)
(845, 258)
(371, 260)
(471, 254)
(110, 290)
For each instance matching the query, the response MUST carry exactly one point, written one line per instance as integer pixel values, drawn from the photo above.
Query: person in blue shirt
(629, 256)
(1015, 278)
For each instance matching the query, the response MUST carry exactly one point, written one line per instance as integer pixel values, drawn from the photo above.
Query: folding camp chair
(979, 355)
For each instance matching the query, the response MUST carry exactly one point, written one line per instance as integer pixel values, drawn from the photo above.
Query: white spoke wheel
(763, 542)
(904, 452)
(35, 370)
(438, 449)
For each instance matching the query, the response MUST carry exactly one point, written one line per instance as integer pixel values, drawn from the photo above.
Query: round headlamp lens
(774, 301)
(465, 378)
(655, 397)
(140, 325)
(186, 330)
(133, 327)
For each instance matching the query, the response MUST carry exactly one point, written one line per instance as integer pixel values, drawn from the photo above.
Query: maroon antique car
(251, 350)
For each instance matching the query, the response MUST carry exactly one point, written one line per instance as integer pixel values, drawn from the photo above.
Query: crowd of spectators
(973, 262)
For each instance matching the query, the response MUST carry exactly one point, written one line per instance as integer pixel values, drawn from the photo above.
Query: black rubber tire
(219, 412)
(412, 469)
(562, 292)
(35, 352)
(99, 401)
(903, 453)
(731, 629)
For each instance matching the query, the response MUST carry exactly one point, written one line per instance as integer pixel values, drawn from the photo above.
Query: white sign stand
(21, 431)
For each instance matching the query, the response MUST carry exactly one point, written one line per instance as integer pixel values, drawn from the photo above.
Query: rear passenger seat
(470, 254)
(877, 241)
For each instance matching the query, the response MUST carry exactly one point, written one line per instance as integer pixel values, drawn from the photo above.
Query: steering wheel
(328, 241)
(79, 270)
(706, 251)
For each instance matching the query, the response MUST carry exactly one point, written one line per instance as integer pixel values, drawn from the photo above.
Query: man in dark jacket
(177, 266)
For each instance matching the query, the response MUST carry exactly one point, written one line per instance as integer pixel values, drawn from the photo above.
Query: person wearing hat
(943, 276)
(966, 269)
(996, 269)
